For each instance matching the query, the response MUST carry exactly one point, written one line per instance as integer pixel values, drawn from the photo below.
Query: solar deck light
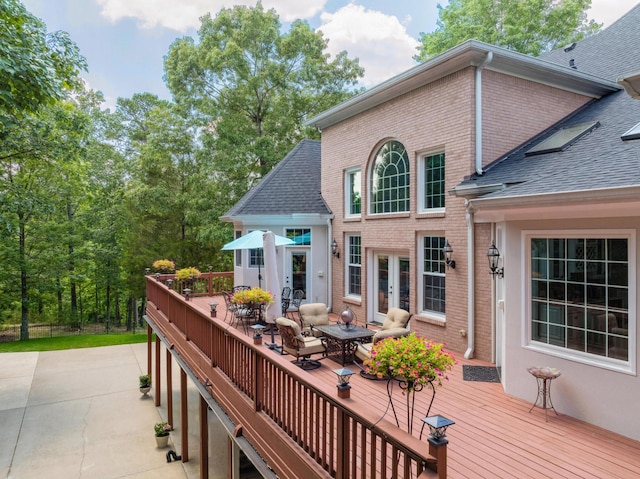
(170, 283)
(344, 388)
(147, 271)
(437, 428)
(187, 293)
(257, 333)
(158, 276)
(213, 305)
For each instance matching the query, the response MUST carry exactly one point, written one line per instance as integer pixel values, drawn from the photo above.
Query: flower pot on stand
(162, 441)
(145, 390)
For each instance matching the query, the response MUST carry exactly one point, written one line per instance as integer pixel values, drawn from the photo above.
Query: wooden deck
(495, 435)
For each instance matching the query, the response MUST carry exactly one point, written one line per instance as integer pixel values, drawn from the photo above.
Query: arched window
(390, 179)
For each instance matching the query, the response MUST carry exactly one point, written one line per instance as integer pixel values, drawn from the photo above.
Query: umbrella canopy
(254, 240)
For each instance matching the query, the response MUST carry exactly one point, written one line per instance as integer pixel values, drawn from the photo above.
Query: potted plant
(145, 383)
(162, 430)
(413, 362)
(252, 297)
(186, 274)
(164, 265)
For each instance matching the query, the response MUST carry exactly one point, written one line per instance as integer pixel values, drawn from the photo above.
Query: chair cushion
(313, 314)
(363, 351)
(396, 318)
(390, 333)
(293, 325)
(311, 346)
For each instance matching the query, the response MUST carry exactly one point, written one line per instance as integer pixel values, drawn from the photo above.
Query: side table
(544, 376)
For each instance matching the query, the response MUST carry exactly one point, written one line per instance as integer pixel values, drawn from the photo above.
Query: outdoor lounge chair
(302, 347)
(395, 326)
(312, 314)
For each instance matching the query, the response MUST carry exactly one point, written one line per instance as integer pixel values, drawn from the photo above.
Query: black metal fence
(12, 332)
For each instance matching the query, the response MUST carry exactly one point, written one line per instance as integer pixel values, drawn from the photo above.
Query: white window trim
(369, 181)
(347, 264)
(424, 313)
(347, 192)
(421, 180)
(627, 367)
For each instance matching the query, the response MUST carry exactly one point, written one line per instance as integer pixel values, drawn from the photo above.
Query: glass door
(297, 276)
(392, 284)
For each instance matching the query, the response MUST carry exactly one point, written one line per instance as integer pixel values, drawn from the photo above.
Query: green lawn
(71, 342)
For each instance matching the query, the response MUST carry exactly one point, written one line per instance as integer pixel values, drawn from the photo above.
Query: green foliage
(162, 429)
(36, 67)
(253, 296)
(187, 273)
(531, 27)
(145, 381)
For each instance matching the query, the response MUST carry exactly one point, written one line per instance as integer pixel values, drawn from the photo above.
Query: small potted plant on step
(162, 430)
(145, 383)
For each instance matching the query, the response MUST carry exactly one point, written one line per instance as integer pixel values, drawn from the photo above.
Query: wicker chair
(302, 347)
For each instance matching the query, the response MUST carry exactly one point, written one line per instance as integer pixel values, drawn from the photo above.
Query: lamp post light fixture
(257, 333)
(344, 388)
(213, 305)
(334, 249)
(187, 293)
(158, 276)
(437, 428)
(448, 255)
(493, 255)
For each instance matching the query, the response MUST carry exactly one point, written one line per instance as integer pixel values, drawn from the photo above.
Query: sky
(125, 41)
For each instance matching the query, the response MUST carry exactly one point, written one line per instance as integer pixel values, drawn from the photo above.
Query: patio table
(341, 341)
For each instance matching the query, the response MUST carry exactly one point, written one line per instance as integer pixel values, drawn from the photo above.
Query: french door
(297, 275)
(391, 284)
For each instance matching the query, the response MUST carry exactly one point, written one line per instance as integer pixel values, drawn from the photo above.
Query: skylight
(632, 134)
(562, 138)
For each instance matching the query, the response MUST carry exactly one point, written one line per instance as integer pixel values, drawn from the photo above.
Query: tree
(252, 87)
(531, 27)
(36, 67)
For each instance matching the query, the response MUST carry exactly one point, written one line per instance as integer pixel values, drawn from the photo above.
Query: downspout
(479, 69)
(470, 283)
(329, 265)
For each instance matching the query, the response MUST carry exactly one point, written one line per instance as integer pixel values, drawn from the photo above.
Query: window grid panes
(390, 179)
(433, 279)
(354, 193)
(580, 294)
(355, 266)
(301, 236)
(434, 181)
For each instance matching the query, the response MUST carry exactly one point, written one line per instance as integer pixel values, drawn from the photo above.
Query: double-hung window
(433, 275)
(432, 194)
(390, 179)
(354, 267)
(580, 295)
(353, 193)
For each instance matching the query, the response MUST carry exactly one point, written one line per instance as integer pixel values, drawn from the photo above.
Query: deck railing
(298, 425)
(207, 284)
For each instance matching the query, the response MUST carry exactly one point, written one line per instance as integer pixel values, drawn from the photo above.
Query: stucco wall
(601, 396)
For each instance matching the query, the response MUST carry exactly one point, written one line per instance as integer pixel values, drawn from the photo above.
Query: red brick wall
(438, 116)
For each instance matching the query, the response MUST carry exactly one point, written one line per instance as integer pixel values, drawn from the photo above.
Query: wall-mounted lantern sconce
(344, 388)
(448, 256)
(334, 249)
(493, 255)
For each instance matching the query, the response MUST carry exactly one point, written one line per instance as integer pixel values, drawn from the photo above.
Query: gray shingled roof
(291, 187)
(598, 160)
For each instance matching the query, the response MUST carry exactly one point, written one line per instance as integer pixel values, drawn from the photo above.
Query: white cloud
(185, 14)
(380, 41)
(608, 11)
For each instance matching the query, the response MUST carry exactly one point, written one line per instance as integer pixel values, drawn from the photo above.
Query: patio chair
(302, 347)
(294, 305)
(312, 314)
(395, 326)
(230, 305)
(235, 289)
(284, 297)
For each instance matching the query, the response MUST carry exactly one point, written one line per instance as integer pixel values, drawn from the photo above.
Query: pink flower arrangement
(412, 359)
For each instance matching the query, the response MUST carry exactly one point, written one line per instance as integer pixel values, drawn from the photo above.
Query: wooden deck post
(204, 439)
(169, 389)
(184, 416)
(438, 449)
(149, 341)
(157, 389)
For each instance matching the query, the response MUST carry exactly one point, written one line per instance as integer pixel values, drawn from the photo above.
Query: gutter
(478, 77)
(329, 266)
(470, 284)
